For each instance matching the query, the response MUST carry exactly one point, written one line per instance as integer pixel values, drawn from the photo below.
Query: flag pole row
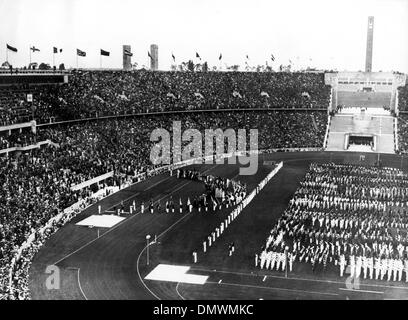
(81, 53)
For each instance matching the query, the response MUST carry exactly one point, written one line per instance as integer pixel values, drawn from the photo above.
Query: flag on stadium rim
(105, 53)
(149, 55)
(198, 56)
(220, 56)
(247, 57)
(55, 50)
(34, 49)
(198, 95)
(314, 123)
(81, 53)
(272, 57)
(11, 48)
(236, 94)
(128, 53)
(174, 58)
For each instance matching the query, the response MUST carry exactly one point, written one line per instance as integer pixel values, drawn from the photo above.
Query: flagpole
(53, 57)
(7, 55)
(100, 61)
(30, 54)
(77, 60)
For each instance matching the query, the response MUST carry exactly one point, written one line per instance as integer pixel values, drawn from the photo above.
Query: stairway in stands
(365, 122)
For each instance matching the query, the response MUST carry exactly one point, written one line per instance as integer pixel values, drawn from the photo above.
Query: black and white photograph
(188, 153)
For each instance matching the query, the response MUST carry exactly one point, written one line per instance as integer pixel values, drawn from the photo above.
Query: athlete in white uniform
(268, 259)
(273, 261)
(342, 264)
(406, 268)
(400, 268)
(377, 267)
(263, 258)
(352, 266)
(358, 266)
(390, 266)
(370, 266)
(291, 258)
(364, 262)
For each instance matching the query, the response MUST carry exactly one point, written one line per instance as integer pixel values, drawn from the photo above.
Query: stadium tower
(127, 59)
(369, 50)
(154, 61)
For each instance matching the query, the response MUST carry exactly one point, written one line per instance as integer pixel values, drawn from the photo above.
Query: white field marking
(178, 293)
(120, 223)
(358, 290)
(80, 287)
(140, 277)
(175, 273)
(79, 282)
(276, 288)
(100, 221)
(300, 279)
(264, 278)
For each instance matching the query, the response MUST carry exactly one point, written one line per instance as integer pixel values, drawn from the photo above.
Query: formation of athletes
(219, 193)
(353, 218)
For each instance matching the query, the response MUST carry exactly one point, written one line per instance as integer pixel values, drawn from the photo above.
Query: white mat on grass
(101, 221)
(171, 273)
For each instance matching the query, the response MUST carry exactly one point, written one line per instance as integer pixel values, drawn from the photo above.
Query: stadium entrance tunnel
(361, 142)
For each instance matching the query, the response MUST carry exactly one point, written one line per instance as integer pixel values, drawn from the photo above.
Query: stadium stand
(90, 94)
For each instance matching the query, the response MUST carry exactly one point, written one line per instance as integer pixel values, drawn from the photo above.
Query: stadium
(298, 191)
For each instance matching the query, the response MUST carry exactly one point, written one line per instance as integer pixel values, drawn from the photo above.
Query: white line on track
(79, 282)
(359, 290)
(275, 288)
(298, 278)
(182, 298)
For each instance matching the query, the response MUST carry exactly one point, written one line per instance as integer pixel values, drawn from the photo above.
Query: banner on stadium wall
(92, 181)
(17, 126)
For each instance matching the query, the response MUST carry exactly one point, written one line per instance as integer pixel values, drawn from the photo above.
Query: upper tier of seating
(90, 94)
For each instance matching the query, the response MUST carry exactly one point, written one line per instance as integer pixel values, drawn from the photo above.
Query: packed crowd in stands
(14, 107)
(403, 119)
(403, 133)
(344, 215)
(403, 98)
(17, 138)
(37, 185)
(90, 94)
